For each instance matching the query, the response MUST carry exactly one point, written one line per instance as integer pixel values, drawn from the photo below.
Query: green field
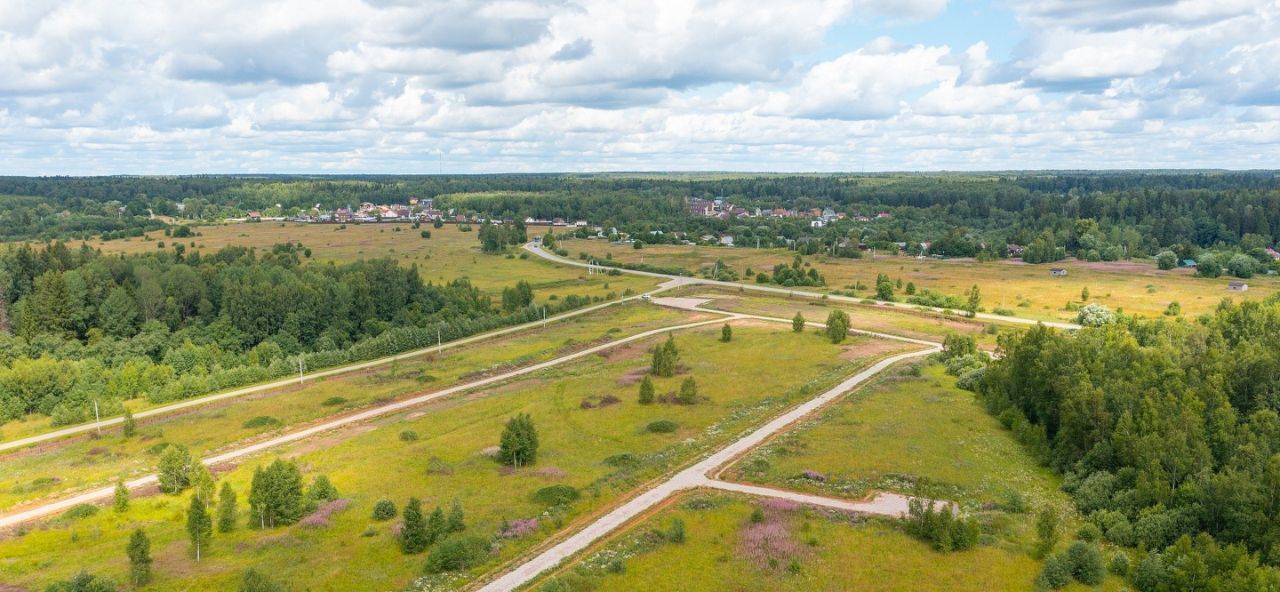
(87, 461)
(449, 254)
(881, 319)
(1027, 290)
(915, 435)
(762, 371)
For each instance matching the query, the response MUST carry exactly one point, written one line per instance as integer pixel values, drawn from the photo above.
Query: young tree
(199, 526)
(275, 495)
(646, 391)
(688, 391)
(518, 445)
(202, 483)
(797, 323)
(130, 426)
(322, 490)
(121, 500)
(975, 298)
(1084, 294)
(174, 468)
(677, 531)
(139, 551)
(726, 333)
(884, 288)
(413, 536)
(837, 326)
(1046, 532)
(226, 508)
(1167, 260)
(457, 521)
(437, 526)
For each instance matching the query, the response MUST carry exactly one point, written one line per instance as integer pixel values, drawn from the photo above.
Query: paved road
(692, 477)
(682, 280)
(104, 493)
(70, 431)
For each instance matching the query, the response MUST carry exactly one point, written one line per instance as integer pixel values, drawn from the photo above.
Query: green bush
(662, 426)
(1085, 562)
(384, 509)
(556, 495)
(262, 421)
(80, 511)
(1119, 564)
(408, 436)
(1055, 574)
(333, 401)
(457, 553)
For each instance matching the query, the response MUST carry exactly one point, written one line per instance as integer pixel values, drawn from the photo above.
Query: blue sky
(356, 86)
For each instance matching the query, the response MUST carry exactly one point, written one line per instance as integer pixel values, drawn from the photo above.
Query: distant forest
(1095, 215)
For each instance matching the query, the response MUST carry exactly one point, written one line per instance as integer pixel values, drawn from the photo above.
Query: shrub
(1085, 562)
(254, 581)
(625, 460)
(661, 426)
(556, 495)
(80, 511)
(1089, 532)
(1119, 564)
(262, 421)
(333, 401)
(408, 436)
(1055, 574)
(384, 509)
(457, 553)
(83, 582)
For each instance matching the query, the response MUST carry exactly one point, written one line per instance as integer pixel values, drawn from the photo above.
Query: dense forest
(1092, 215)
(77, 325)
(1168, 434)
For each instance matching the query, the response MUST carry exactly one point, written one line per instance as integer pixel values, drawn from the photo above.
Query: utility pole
(439, 342)
(97, 419)
(301, 363)
(544, 317)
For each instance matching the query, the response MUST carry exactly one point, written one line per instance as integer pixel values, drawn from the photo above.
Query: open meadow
(916, 435)
(1136, 287)
(76, 463)
(448, 255)
(597, 447)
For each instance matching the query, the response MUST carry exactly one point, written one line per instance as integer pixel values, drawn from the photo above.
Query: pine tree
(837, 326)
(797, 323)
(457, 520)
(199, 525)
(139, 551)
(226, 508)
(688, 391)
(646, 391)
(437, 526)
(130, 426)
(677, 531)
(726, 333)
(121, 501)
(413, 537)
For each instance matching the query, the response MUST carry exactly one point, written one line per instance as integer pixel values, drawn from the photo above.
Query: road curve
(692, 477)
(104, 493)
(681, 280)
(77, 429)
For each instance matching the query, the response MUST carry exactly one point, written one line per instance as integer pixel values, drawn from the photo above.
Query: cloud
(389, 86)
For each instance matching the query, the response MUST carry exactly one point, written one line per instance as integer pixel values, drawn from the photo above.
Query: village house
(1058, 272)
(1238, 287)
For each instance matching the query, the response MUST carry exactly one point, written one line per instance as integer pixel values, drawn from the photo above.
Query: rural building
(1188, 262)
(1058, 272)
(1238, 286)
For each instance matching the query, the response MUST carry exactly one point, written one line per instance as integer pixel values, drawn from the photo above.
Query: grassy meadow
(1137, 287)
(911, 434)
(881, 319)
(601, 450)
(83, 462)
(448, 255)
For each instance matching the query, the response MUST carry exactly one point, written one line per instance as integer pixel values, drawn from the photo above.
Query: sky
(462, 86)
